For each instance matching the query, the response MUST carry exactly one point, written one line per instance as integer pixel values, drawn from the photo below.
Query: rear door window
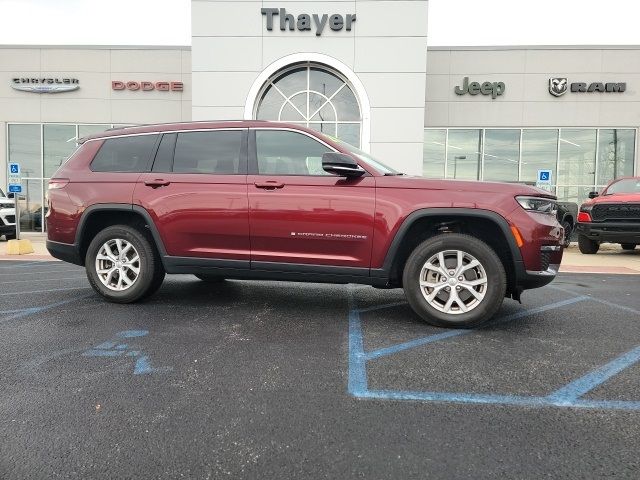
(125, 154)
(212, 152)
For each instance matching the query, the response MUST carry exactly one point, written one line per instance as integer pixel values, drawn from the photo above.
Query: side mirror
(341, 164)
(593, 194)
(10, 195)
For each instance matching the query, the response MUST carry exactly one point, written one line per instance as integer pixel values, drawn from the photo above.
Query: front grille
(11, 218)
(620, 211)
(545, 259)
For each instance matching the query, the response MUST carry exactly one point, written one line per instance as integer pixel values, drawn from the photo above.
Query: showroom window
(581, 159)
(314, 96)
(41, 149)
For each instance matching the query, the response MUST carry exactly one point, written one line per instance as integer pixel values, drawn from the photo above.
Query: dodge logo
(557, 86)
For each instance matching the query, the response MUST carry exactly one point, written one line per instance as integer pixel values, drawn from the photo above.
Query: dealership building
(358, 70)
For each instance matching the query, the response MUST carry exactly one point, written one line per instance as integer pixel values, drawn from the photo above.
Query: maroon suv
(271, 201)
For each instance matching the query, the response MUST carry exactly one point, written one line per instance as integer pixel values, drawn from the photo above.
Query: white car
(7, 217)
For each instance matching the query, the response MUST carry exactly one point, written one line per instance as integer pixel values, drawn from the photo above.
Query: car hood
(406, 181)
(617, 198)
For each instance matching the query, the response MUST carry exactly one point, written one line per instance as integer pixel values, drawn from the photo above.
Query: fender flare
(497, 219)
(121, 207)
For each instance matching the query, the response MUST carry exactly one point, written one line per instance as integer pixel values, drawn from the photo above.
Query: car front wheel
(568, 230)
(454, 281)
(122, 265)
(587, 246)
(628, 246)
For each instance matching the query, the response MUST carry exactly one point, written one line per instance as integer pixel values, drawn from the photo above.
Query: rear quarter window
(124, 154)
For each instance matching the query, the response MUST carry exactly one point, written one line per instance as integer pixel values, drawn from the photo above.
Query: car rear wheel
(454, 281)
(122, 265)
(587, 246)
(628, 246)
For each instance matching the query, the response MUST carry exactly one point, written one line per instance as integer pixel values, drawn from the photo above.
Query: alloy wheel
(453, 282)
(118, 264)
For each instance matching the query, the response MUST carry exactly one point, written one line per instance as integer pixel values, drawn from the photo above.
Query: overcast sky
(451, 22)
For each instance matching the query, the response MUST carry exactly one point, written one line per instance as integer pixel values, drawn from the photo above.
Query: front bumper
(615, 232)
(7, 221)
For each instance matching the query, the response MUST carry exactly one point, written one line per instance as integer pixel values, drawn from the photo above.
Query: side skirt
(292, 272)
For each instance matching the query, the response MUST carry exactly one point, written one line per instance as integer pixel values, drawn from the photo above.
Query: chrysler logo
(558, 86)
(45, 85)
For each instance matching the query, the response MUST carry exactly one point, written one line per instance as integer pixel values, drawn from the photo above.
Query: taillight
(584, 217)
(57, 183)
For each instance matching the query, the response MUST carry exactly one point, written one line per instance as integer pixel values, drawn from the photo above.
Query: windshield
(2, 193)
(366, 158)
(627, 185)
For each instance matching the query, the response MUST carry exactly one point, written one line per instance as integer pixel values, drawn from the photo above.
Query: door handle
(158, 182)
(269, 185)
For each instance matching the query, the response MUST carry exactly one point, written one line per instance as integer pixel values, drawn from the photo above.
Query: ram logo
(558, 86)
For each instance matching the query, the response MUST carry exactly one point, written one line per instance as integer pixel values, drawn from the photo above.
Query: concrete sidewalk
(610, 259)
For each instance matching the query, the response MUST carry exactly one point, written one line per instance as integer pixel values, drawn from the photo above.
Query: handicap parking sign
(544, 176)
(15, 188)
(14, 168)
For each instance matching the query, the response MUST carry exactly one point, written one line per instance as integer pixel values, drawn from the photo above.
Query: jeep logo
(474, 88)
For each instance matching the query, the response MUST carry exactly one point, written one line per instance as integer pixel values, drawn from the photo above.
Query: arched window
(315, 96)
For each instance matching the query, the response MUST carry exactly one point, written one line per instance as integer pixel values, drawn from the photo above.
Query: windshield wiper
(393, 174)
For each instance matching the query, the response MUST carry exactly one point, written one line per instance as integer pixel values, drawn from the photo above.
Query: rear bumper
(65, 252)
(615, 232)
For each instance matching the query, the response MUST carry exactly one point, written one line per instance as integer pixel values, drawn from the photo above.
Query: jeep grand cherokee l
(613, 216)
(271, 201)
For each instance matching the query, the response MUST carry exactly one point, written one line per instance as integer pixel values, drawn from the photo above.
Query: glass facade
(41, 149)
(581, 159)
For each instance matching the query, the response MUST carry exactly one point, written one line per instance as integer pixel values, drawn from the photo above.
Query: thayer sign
(306, 23)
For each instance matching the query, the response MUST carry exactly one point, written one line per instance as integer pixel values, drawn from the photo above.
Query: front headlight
(538, 204)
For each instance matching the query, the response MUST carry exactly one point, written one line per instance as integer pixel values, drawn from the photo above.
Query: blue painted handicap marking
(569, 395)
(114, 348)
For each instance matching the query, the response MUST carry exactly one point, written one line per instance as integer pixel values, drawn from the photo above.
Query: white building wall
(526, 101)
(526, 72)
(386, 49)
(94, 101)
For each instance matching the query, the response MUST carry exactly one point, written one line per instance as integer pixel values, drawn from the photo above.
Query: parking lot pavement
(289, 380)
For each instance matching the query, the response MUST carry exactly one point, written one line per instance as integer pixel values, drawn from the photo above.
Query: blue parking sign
(544, 176)
(14, 168)
(15, 188)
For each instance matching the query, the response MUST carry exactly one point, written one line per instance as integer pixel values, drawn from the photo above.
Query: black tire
(10, 236)
(158, 277)
(568, 230)
(628, 246)
(151, 272)
(587, 246)
(494, 289)
(209, 277)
